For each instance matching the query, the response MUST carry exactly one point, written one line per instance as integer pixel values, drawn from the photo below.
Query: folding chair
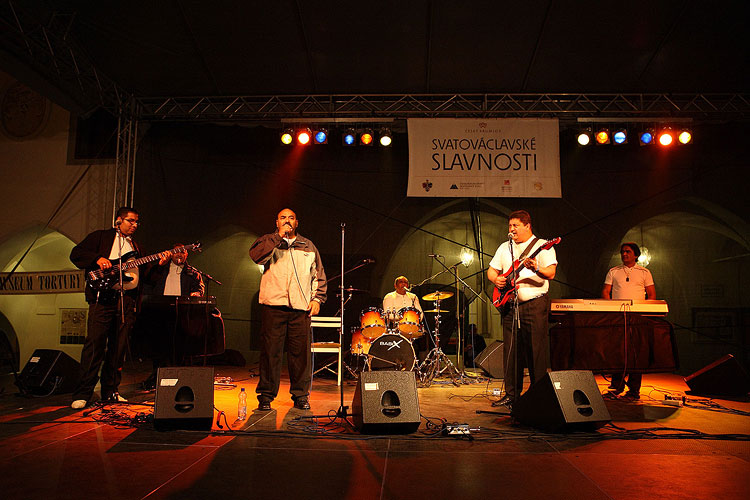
(329, 347)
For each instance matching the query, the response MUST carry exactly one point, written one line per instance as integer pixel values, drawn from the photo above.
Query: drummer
(400, 298)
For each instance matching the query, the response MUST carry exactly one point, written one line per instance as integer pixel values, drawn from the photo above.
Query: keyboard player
(163, 283)
(628, 281)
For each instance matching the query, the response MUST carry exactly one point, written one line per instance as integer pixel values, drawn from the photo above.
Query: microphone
(510, 236)
(368, 261)
(434, 255)
(118, 222)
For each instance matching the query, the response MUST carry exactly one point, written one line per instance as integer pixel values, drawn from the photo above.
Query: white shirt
(120, 246)
(629, 282)
(172, 285)
(530, 284)
(396, 301)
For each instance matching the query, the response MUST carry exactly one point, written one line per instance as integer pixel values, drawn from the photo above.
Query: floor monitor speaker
(563, 401)
(49, 372)
(723, 377)
(385, 402)
(184, 398)
(491, 360)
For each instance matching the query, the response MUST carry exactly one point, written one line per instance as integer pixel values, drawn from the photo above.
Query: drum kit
(384, 339)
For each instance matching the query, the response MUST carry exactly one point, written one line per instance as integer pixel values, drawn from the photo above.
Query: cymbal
(350, 289)
(436, 311)
(437, 296)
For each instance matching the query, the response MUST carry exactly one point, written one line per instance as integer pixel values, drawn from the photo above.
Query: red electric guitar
(500, 297)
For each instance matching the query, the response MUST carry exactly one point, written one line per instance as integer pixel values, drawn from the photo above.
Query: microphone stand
(459, 316)
(515, 325)
(341, 413)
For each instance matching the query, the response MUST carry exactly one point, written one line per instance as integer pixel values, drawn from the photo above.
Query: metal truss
(352, 106)
(49, 50)
(124, 178)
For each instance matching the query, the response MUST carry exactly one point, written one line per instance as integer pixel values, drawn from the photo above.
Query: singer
(108, 328)
(529, 347)
(292, 288)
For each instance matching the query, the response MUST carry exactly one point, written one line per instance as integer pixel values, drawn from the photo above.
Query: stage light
(602, 136)
(584, 137)
(321, 136)
(467, 256)
(349, 137)
(665, 137)
(644, 259)
(303, 136)
(287, 136)
(647, 137)
(620, 136)
(385, 137)
(685, 137)
(366, 137)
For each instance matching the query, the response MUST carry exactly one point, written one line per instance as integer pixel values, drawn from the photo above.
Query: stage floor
(651, 450)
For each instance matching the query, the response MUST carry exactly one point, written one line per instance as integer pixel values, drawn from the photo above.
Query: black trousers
(531, 342)
(633, 382)
(106, 341)
(283, 327)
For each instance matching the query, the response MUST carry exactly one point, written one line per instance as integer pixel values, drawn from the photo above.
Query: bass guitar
(501, 296)
(104, 279)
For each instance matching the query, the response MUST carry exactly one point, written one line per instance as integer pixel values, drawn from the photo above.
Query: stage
(651, 449)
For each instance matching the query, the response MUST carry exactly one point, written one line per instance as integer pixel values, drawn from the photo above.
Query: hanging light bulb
(644, 259)
(467, 256)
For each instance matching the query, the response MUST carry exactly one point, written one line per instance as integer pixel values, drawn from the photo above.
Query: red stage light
(304, 136)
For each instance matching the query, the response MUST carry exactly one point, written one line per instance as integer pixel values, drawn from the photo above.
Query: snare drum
(372, 322)
(391, 352)
(360, 344)
(409, 322)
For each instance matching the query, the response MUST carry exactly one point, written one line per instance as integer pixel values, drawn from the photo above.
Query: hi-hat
(437, 296)
(436, 311)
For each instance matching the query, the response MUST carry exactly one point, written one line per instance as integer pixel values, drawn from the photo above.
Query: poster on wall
(470, 157)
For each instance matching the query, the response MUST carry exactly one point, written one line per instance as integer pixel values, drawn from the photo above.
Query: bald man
(292, 289)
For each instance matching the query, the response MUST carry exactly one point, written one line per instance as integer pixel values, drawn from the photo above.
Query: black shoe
(114, 397)
(506, 401)
(631, 396)
(264, 405)
(302, 404)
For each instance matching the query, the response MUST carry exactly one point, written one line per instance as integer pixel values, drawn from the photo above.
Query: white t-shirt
(395, 301)
(172, 285)
(530, 284)
(629, 282)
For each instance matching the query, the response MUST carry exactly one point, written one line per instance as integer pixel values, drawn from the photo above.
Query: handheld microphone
(510, 236)
(434, 255)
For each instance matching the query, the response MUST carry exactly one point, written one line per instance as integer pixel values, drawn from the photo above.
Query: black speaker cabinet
(563, 401)
(184, 398)
(49, 372)
(723, 377)
(385, 402)
(491, 360)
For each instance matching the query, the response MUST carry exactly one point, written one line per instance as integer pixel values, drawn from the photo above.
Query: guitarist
(530, 345)
(107, 331)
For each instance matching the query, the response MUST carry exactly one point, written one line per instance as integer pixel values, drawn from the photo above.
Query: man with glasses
(110, 319)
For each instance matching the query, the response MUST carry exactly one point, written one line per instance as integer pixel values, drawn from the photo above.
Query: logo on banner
(453, 186)
(427, 185)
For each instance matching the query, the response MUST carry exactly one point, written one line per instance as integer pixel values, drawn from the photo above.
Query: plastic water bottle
(242, 406)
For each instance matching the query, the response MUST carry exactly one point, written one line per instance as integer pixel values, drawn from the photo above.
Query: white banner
(503, 157)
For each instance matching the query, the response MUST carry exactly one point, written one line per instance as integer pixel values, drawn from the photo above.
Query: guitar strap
(527, 249)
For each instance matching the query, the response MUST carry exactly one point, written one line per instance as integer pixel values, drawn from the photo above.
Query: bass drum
(391, 352)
